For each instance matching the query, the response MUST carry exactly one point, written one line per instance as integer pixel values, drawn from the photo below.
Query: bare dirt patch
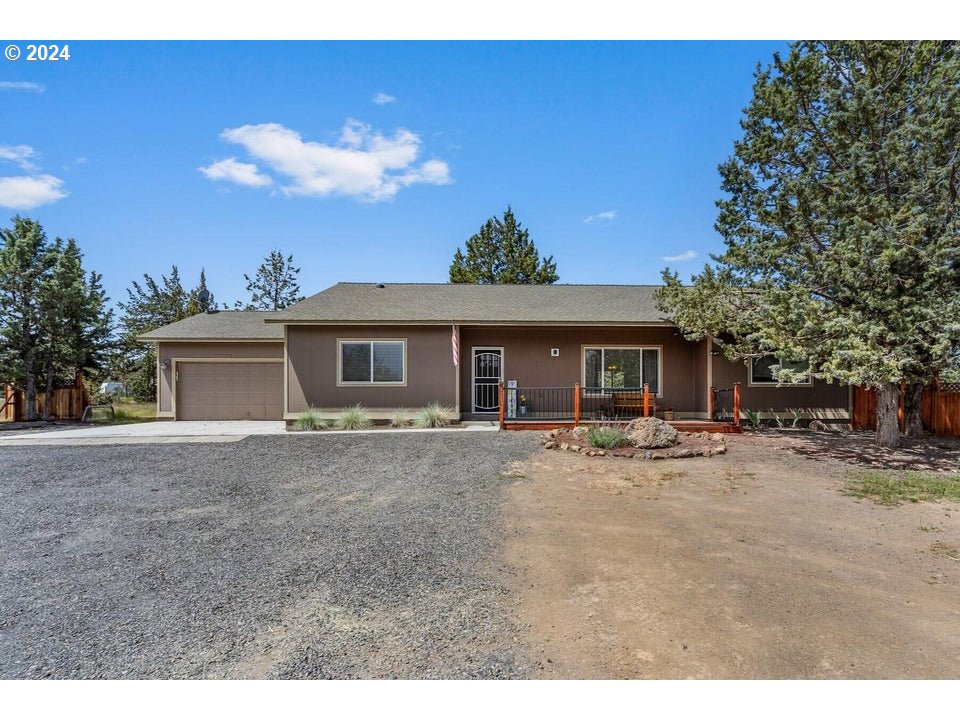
(748, 565)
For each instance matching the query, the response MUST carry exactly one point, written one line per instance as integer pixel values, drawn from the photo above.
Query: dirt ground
(747, 565)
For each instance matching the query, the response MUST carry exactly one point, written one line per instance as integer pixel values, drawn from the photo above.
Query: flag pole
(455, 343)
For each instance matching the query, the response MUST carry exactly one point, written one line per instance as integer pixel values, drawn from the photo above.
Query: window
(761, 370)
(621, 367)
(372, 362)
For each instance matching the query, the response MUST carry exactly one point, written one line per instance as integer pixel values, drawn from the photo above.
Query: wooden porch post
(503, 410)
(713, 403)
(576, 404)
(736, 404)
(646, 400)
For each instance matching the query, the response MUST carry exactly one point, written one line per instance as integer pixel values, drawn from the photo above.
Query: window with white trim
(372, 362)
(621, 367)
(761, 370)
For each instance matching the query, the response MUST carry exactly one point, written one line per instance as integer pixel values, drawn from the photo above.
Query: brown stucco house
(392, 345)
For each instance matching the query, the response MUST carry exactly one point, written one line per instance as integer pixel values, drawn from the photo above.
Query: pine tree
(274, 286)
(55, 323)
(841, 220)
(199, 303)
(75, 324)
(26, 259)
(502, 253)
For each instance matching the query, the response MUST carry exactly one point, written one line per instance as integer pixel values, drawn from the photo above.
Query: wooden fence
(66, 404)
(939, 409)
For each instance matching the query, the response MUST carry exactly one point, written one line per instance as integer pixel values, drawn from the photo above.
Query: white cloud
(26, 192)
(682, 257)
(23, 192)
(607, 215)
(25, 86)
(19, 154)
(381, 98)
(238, 172)
(364, 163)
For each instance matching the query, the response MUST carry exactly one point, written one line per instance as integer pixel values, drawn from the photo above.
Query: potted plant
(523, 404)
(668, 413)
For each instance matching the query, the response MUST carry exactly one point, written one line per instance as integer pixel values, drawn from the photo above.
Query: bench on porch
(631, 403)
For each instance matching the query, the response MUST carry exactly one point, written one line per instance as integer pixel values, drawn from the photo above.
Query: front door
(487, 376)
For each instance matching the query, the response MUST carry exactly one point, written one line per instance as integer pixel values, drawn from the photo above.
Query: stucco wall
(312, 368)
(168, 351)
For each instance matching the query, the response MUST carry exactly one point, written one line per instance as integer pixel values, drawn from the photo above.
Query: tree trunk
(888, 428)
(912, 405)
(29, 379)
(48, 392)
(29, 394)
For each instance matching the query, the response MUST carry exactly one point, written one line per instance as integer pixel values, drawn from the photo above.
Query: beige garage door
(230, 391)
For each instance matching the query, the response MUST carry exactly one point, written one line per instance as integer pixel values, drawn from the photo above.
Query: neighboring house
(393, 345)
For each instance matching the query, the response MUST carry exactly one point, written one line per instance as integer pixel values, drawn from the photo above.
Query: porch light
(164, 365)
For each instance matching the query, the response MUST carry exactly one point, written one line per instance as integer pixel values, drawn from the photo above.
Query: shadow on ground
(939, 454)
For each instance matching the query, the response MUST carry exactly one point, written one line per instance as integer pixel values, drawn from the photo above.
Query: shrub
(310, 420)
(607, 437)
(434, 415)
(353, 418)
(754, 418)
(400, 418)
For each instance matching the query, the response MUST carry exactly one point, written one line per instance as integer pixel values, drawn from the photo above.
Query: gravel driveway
(326, 557)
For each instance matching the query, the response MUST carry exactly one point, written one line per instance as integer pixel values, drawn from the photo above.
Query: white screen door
(487, 376)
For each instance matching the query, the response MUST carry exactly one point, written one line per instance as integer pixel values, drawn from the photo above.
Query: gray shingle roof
(482, 304)
(223, 325)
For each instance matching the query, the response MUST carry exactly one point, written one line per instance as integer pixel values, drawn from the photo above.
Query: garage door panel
(230, 391)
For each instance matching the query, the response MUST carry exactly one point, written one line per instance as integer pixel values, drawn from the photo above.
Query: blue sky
(373, 161)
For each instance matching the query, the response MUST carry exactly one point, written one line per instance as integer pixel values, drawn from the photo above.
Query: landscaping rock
(720, 450)
(549, 445)
(820, 425)
(564, 446)
(651, 432)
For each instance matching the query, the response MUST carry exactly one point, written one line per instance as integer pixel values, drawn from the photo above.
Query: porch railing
(540, 403)
(725, 403)
(575, 403)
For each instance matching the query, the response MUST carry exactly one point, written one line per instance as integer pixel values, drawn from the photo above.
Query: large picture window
(372, 362)
(761, 370)
(621, 367)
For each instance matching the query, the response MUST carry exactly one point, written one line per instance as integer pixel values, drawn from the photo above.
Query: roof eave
(455, 321)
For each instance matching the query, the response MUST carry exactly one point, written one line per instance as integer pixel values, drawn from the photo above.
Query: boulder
(651, 432)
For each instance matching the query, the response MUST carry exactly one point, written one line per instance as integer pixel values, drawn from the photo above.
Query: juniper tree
(502, 253)
(149, 306)
(841, 220)
(275, 285)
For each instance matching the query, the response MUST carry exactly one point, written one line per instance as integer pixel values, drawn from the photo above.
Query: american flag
(455, 345)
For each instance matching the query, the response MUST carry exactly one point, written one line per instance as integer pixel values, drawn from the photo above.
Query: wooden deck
(681, 425)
